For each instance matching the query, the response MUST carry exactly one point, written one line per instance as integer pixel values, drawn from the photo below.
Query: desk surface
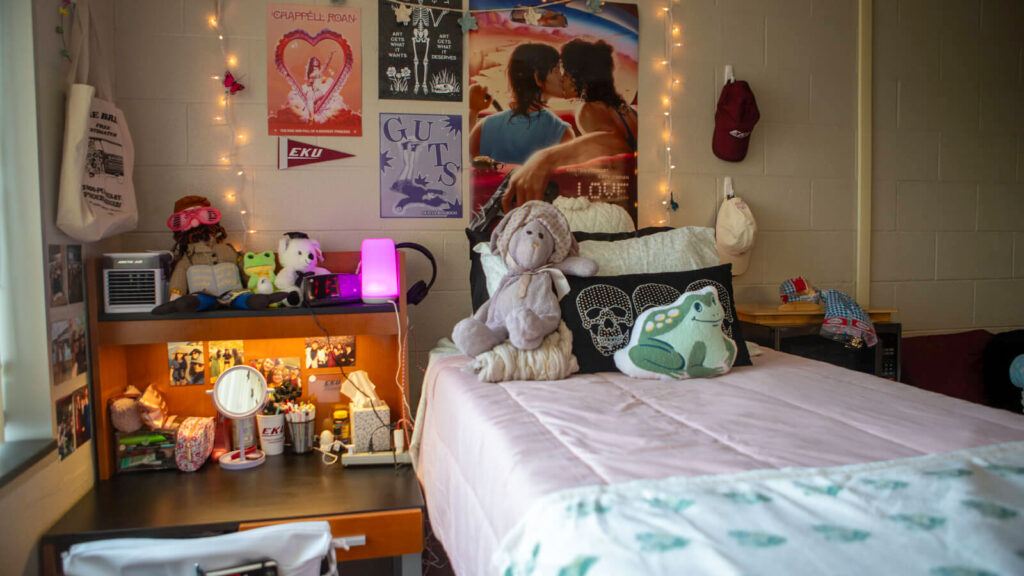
(212, 500)
(768, 314)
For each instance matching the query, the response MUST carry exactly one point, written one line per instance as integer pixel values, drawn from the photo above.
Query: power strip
(375, 458)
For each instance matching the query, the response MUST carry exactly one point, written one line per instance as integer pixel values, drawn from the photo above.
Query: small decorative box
(367, 425)
(145, 450)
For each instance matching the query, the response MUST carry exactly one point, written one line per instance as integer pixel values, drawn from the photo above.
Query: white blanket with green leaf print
(955, 514)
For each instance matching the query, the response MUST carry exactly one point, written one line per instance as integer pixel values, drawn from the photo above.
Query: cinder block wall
(948, 211)
(800, 57)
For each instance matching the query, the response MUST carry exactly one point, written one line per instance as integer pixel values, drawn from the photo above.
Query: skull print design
(650, 295)
(607, 314)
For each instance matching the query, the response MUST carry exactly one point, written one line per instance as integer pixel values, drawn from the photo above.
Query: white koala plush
(299, 255)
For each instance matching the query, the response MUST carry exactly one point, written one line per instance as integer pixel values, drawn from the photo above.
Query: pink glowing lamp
(379, 270)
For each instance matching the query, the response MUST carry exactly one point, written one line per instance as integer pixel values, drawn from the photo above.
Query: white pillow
(586, 216)
(677, 250)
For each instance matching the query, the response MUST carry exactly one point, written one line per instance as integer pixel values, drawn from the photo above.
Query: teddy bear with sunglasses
(205, 270)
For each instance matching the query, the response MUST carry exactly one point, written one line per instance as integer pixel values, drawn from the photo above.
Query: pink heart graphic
(325, 34)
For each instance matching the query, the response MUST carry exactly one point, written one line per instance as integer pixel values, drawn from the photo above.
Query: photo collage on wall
(589, 65)
(68, 345)
(420, 59)
(74, 427)
(196, 363)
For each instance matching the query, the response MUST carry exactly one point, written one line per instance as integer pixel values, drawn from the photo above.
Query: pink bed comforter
(487, 452)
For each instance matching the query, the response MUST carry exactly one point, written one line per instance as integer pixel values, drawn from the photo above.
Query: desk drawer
(391, 533)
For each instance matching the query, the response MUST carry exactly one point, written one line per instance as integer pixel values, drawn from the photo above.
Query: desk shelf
(123, 329)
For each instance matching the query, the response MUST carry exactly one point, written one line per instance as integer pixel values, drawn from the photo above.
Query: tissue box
(367, 425)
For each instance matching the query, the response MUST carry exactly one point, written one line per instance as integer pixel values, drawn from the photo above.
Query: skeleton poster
(420, 166)
(420, 58)
(314, 71)
(553, 104)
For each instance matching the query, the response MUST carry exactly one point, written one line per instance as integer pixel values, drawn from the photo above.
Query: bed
(500, 464)
(782, 466)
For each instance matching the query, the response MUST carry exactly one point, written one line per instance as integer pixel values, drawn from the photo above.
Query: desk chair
(300, 549)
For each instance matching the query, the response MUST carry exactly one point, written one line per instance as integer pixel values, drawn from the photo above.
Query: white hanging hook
(729, 77)
(727, 187)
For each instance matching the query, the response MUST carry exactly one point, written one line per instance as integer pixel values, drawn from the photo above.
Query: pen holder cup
(271, 433)
(302, 435)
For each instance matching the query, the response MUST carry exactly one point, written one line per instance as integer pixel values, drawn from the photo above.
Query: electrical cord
(401, 386)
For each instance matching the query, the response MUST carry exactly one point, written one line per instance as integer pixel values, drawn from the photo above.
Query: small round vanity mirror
(239, 393)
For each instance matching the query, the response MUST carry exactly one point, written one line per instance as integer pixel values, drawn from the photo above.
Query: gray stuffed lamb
(536, 244)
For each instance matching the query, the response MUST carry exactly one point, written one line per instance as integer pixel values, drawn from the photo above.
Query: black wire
(373, 406)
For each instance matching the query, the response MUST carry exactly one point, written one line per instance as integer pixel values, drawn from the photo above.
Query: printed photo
(62, 358)
(56, 283)
(314, 71)
(65, 426)
(341, 351)
(223, 355)
(566, 86)
(186, 363)
(75, 273)
(79, 346)
(283, 376)
(83, 426)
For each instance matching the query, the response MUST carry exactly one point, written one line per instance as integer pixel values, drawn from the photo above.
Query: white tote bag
(97, 197)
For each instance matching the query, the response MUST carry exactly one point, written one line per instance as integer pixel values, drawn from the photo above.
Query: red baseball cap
(734, 121)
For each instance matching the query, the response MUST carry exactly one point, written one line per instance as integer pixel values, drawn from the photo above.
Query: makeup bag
(194, 443)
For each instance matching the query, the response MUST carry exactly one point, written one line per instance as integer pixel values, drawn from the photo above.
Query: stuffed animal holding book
(539, 249)
(681, 340)
(205, 272)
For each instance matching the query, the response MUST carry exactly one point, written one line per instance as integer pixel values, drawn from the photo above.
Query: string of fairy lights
(672, 41)
(235, 195)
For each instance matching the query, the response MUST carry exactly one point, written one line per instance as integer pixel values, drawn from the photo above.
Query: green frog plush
(260, 269)
(681, 340)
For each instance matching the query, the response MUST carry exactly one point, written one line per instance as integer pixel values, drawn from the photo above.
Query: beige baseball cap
(734, 234)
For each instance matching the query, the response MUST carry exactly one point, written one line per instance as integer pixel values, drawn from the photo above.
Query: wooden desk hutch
(383, 504)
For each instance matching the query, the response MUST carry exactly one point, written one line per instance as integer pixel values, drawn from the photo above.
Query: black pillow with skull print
(600, 310)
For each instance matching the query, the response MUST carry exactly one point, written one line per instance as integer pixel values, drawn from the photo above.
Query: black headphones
(418, 291)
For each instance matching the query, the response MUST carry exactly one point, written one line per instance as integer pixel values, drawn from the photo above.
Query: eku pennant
(291, 153)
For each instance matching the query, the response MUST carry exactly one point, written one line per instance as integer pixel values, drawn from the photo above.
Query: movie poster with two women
(553, 104)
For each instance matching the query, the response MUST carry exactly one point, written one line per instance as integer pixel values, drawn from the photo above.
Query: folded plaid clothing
(846, 321)
(798, 290)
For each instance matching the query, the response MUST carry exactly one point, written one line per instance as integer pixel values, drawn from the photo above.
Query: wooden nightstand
(796, 331)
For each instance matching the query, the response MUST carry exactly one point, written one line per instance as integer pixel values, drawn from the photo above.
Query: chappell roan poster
(314, 69)
(553, 104)
(421, 59)
(420, 166)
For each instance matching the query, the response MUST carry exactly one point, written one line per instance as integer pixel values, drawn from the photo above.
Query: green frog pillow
(681, 340)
